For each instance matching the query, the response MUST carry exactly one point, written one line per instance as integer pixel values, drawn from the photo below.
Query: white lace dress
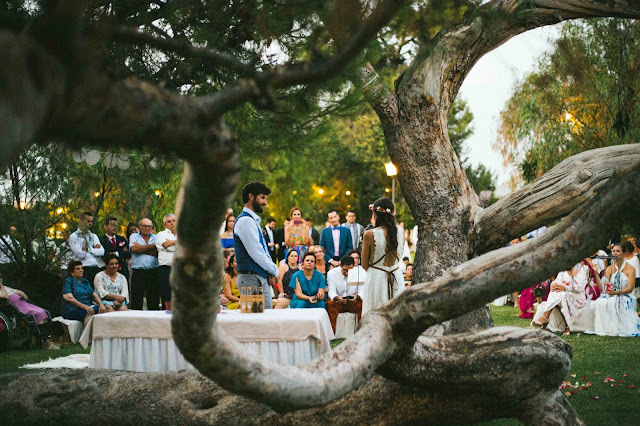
(376, 284)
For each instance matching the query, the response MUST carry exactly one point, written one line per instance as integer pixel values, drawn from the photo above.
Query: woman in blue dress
(309, 285)
(615, 309)
(226, 238)
(79, 301)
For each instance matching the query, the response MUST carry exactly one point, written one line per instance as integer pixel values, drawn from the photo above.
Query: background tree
(583, 96)
(463, 377)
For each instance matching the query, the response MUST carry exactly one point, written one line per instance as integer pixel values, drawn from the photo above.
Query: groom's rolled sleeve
(245, 228)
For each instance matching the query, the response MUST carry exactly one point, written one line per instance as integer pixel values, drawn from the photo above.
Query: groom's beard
(257, 207)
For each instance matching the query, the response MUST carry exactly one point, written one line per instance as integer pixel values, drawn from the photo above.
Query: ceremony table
(141, 341)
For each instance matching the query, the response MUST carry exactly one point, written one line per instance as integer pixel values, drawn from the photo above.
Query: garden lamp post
(392, 172)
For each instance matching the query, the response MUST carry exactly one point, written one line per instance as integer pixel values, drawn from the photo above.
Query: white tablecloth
(287, 336)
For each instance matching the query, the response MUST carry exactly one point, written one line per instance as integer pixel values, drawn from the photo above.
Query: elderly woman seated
(309, 285)
(78, 296)
(19, 300)
(111, 286)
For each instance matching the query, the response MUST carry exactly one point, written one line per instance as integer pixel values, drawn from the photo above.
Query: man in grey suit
(355, 228)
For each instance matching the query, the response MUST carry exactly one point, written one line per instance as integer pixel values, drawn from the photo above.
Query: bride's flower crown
(380, 209)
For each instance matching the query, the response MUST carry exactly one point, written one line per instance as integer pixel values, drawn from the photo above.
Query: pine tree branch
(133, 35)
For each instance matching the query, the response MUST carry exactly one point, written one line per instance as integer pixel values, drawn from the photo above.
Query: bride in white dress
(381, 249)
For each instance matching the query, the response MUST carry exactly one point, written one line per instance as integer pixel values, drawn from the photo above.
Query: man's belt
(248, 272)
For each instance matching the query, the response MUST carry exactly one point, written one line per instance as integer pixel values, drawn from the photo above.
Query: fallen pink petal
(624, 375)
(596, 372)
(632, 386)
(596, 397)
(583, 379)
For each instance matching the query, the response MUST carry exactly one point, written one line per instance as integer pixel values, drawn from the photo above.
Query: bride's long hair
(388, 222)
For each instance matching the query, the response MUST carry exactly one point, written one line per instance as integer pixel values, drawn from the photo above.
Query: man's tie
(113, 241)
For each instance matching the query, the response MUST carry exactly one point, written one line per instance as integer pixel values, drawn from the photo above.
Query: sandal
(540, 323)
(567, 332)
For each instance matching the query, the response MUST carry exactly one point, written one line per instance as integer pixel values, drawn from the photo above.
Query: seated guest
(321, 265)
(634, 241)
(355, 255)
(591, 290)
(630, 258)
(403, 265)
(230, 290)
(78, 296)
(309, 285)
(615, 310)
(19, 300)
(226, 239)
(226, 254)
(111, 286)
(291, 266)
(291, 262)
(408, 275)
(342, 296)
(527, 300)
(567, 294)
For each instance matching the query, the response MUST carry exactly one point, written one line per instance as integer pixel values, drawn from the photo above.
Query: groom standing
(255, 267)
(335, 240)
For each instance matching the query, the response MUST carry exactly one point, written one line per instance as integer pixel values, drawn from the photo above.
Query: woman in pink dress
(19, 299)
(568, 295)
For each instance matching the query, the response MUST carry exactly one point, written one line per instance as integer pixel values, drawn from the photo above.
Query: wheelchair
(18, 330)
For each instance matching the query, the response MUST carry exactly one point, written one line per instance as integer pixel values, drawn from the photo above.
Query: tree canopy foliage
(307, 138)
(583, 96)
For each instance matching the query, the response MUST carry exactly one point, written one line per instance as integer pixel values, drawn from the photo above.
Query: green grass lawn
(10, 361)
(609, 356)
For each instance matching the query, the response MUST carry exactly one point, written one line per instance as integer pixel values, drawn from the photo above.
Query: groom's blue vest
(244, 262)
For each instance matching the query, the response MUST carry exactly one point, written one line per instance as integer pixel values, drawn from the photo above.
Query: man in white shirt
(165, 243)
(86, 247)
(255, 267)
(342, 296)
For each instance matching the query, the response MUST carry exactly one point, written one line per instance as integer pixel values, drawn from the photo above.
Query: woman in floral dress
(568, 295)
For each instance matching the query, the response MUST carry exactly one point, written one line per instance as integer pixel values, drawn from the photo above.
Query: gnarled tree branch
(442, 65)
(575, 181)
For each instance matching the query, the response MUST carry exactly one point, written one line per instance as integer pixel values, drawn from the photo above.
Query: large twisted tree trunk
(389, 372)
(415, 119)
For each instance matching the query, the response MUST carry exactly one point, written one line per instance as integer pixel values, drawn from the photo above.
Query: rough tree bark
(458, 378)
